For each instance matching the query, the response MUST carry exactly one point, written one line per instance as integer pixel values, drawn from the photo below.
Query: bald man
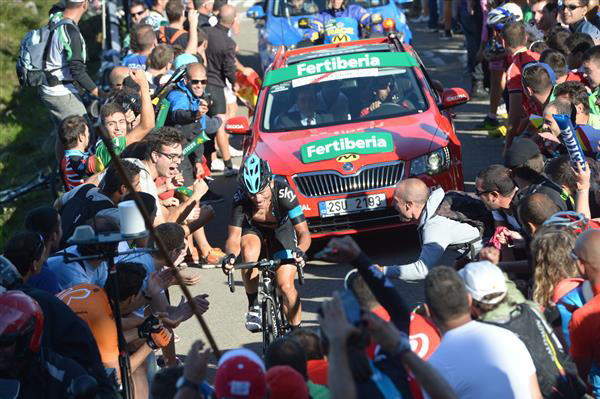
(584, 328)
(117, 76)
(415, 203)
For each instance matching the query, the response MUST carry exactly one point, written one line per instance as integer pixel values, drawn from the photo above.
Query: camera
(128, 99)
(208, 98)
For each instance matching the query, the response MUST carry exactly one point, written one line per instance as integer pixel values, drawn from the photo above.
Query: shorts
(218, 105)
(281, 240)
(496, 65)
(230, 97)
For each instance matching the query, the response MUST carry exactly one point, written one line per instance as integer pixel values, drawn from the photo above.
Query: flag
(588, 138)
(536, 120)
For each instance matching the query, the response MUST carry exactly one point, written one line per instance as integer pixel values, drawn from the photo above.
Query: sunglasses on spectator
(172, 157)
(201, 81)
(135, 14)
(571, 7)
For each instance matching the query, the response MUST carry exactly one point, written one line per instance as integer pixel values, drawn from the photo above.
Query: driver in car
(304, 112)
(301, 7)
(383, 94)
(340, 9)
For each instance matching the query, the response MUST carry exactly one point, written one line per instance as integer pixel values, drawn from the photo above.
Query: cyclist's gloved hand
(227, 263)
(155, 334)
(300, 256)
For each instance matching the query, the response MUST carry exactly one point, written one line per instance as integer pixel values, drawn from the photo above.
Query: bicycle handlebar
(264, 264)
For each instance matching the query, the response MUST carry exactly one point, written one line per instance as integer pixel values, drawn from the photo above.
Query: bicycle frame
(273, 316)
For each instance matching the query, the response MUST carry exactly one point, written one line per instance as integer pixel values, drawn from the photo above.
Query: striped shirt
(76, 166)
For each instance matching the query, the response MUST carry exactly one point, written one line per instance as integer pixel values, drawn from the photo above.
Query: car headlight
(271, 49)
(432, 163)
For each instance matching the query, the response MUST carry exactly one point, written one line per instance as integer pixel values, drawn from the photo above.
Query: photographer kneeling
(451, 220)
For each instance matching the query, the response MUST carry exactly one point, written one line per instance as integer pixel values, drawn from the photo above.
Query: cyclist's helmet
(255, 174)
(500, 16)
(21, 322)
(576, 222)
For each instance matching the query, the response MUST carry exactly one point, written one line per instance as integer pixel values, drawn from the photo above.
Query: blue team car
(277, 21)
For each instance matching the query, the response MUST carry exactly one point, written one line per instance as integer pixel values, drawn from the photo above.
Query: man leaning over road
(416, 203)
(66, 60)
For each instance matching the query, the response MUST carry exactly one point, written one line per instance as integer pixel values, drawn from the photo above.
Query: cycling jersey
(287, 211)
(76, 166)
(90, 302)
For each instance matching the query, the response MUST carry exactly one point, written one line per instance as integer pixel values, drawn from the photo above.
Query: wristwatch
(184, 382)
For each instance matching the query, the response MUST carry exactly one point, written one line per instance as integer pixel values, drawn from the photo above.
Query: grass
(26, 145)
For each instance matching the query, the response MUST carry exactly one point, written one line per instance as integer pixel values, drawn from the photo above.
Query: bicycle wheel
(269, 322)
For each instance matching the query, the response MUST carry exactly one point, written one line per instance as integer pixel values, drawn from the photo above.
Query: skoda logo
(348, 166)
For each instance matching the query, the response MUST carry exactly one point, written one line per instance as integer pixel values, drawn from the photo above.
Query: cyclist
(341, 9)
(264, 207)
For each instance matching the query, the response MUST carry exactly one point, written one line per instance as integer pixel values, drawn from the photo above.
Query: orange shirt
(584, 331)
(90, 303)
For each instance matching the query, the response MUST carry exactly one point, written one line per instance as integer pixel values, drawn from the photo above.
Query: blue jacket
(184, 110)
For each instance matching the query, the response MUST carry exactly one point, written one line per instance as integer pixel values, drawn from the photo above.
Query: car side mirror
(255, 12)
(237, 125)
(303, 23)
(453, 97)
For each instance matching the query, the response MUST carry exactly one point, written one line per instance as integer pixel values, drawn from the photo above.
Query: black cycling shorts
(218, 104)
(281, 241)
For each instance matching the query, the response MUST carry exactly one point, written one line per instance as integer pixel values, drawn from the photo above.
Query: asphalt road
(445, 60)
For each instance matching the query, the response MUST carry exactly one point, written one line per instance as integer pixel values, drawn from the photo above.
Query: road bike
(273, 318)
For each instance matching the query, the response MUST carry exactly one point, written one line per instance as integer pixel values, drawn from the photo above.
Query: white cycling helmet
(515, 10)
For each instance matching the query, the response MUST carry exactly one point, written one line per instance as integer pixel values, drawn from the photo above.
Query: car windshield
(342, 97)
(284, 8)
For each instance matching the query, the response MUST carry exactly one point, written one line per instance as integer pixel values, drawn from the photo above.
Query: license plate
(344, 206)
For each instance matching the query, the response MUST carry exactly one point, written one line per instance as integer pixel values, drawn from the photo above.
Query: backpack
(78, 210)
(33, 54)
(556, 372)
(162, 35)
(467, 208)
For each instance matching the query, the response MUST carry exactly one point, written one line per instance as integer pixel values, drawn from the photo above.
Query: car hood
(413, 136)
(284, 31)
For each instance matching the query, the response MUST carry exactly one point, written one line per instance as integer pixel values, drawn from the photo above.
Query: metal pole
(161, 246)
(124, 364)
(103, 25)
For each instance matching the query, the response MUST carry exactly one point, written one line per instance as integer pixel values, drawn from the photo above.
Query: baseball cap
(242, 352)
(520, 152)
(286, 383)
(484, 278)
(240, 377)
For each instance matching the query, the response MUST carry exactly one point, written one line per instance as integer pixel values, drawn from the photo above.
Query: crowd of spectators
(516, 316)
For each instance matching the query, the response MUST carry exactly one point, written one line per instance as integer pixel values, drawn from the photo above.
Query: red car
(343, 123)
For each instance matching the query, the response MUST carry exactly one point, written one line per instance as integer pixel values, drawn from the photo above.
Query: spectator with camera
(114, 120)
(189, 107)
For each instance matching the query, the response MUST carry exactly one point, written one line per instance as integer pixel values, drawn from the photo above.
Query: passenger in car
(304, 112)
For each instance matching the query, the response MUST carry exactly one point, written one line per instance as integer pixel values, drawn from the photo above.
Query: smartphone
(351, 307)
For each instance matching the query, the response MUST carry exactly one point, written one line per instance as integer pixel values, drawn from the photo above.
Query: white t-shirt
(71, 274)
(484, 361)
(147, 184)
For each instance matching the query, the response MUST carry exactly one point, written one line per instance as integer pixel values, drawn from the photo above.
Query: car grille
(354, 221)
(372, 177)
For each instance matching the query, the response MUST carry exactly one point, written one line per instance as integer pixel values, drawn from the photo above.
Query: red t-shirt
(584, 330)
(515, 68)
(317, 371)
